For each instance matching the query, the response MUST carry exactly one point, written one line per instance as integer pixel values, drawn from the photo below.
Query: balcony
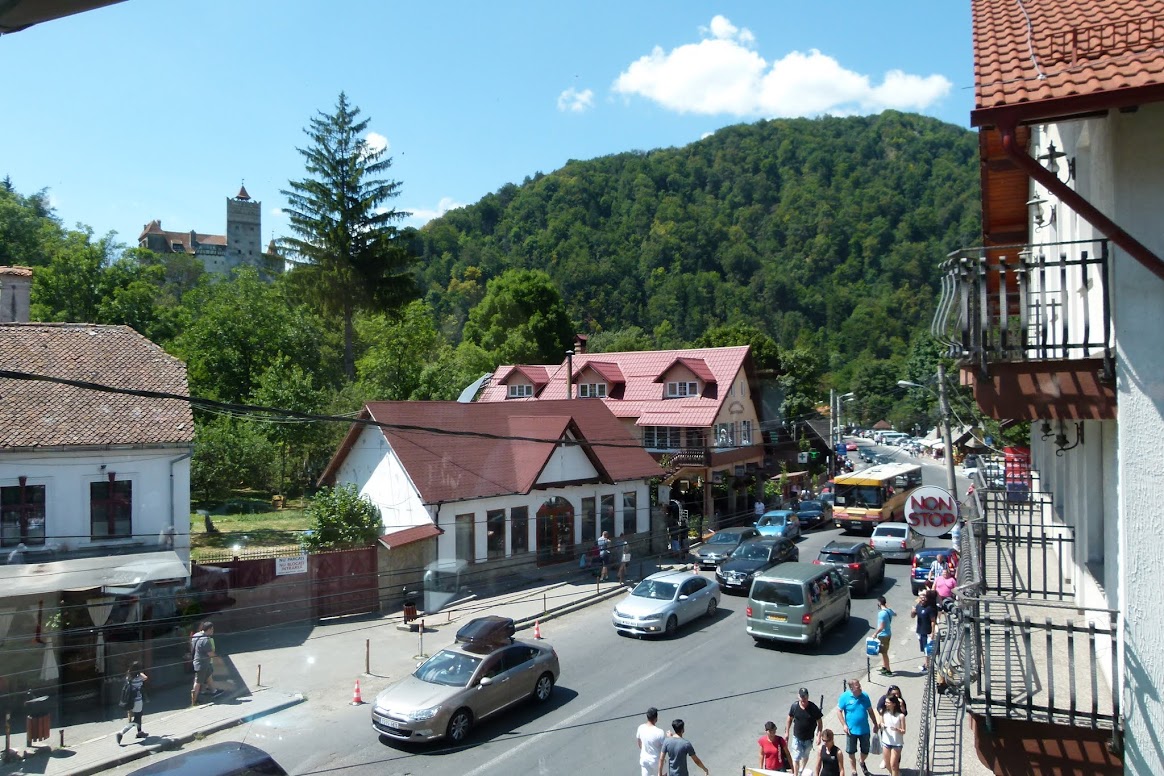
(1033, 326)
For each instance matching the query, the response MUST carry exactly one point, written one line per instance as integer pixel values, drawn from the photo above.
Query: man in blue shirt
(855, 710)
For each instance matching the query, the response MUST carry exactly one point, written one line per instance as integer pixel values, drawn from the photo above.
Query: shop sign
(931, 511)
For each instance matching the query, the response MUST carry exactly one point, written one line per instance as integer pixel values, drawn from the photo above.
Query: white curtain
(99, 611)
(5, 623)
(48, 668)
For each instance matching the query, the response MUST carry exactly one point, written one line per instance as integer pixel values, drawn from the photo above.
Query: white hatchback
(896, 541)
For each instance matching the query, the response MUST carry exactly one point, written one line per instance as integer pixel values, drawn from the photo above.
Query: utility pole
(832, 430)
(944, 408)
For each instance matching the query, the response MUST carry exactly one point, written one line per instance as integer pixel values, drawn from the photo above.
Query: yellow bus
(873, 495)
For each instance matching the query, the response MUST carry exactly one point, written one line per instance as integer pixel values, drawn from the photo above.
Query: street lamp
(944, 409)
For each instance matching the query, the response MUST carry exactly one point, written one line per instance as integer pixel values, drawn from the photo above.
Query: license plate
(777, 618)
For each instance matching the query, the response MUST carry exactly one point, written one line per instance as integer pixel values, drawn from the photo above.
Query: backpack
(126, 699)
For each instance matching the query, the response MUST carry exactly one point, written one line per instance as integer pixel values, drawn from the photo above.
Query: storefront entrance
(555, 531)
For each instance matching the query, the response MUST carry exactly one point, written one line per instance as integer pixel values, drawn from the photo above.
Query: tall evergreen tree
(345, 241)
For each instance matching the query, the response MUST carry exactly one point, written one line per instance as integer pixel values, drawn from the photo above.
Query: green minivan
(797, 602)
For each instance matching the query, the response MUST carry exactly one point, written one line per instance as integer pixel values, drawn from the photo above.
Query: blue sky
(160, 108)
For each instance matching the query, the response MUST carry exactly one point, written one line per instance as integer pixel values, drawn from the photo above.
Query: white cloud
(376, 142)
(576, 101)
(722, 74)
(421, 216)
(275, 211)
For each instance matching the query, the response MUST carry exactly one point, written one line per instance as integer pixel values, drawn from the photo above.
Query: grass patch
(246, 527)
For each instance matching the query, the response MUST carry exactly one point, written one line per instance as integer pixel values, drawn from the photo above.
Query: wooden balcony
(1033, 327)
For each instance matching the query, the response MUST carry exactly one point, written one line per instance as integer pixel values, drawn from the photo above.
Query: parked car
(815, 512)
(721, 544)
(779, 522)
(464, 683)
(662, 602)
(226, 758)
(796, 602)
(922, 560)
(753, 557)
(896, 541)
(859, 564)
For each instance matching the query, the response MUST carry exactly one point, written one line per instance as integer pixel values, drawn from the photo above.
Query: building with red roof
(1057, 317)
(695, 410)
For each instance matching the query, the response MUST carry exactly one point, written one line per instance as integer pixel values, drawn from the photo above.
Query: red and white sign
(931, 511)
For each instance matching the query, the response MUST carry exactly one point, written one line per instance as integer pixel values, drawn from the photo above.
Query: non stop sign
(931, 511)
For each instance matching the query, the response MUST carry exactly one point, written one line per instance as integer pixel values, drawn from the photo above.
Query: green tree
(29, 230)
(229, 454)
(800, 379)
(521, 319)
(631, 338)
(765, 354)
(398, 351)
(341, 518)
(287, 386)
(351, 256)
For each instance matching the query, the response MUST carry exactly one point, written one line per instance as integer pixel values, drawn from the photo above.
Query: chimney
(15, 288)
(580, 343)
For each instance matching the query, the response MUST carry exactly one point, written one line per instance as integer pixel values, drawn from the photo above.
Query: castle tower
(244, 223)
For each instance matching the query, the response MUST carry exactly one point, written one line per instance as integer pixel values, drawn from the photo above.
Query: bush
(341, 518)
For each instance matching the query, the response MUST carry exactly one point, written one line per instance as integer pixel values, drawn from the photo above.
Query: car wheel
(711, 605)
(845, 618)
(459, 726)
(672, 626)
(817, 638)
(544, 688)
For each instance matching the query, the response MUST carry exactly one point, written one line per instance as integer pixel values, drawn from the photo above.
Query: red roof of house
(642, 398)
(608, 370)
(454, 451)
(538, 375)
(409, 535)
(1041, 50)
(181, 238)
(37, 414)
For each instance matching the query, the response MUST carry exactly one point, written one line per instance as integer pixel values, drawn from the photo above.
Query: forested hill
(824, 232)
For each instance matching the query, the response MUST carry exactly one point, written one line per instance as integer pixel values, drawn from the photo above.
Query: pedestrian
(803, 729)
(604, 545)
(649, 738)
(937, 568)
(894, 692)
(926, 614)
(884, 633)
(202, 649)
(774, 754)
(945, 585)
(759, 508)
(675, 751)
(893, 734)
(133, 696)
(830, 762)
(855, 711)
(16, 557)
(956, 535)
(624, 557)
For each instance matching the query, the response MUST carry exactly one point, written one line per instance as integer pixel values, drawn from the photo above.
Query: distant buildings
(241, 246)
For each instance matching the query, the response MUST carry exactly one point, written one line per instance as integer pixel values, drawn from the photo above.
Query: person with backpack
(133, 700)
(202, 650)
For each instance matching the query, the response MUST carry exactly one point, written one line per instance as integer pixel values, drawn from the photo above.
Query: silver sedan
(662, 602)
(896, 541)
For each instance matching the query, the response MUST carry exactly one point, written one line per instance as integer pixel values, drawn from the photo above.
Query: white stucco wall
(567, 464)
(373, 467)
(157, 502)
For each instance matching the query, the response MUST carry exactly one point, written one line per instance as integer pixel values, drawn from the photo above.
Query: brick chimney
(580, 343)
(15, 288)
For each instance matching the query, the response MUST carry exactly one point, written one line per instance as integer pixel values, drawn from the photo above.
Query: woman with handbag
(893, 734)
(133, 700)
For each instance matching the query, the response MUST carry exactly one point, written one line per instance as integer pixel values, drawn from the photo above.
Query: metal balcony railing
(1039, 302)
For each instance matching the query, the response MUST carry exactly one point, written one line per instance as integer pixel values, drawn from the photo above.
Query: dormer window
(592, 390)
(681, 389)
(520, 391)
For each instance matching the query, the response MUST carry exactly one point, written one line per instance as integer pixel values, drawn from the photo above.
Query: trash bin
(409, 611)
(37, 724)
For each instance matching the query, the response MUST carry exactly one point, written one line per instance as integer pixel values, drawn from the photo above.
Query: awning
(115, 574)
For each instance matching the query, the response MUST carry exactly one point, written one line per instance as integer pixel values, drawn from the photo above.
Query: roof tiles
(43, 414)
(1034, 50)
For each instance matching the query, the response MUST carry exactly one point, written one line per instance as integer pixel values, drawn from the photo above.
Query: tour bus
(874, 495)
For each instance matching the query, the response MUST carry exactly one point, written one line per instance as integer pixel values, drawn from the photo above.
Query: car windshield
(772, 520)
(835, 557)
(859, 495)
(654, 588)
(810, 506)
(785, 593)
(754, 551)
(724, 538)
(897, 531)
(448, 668)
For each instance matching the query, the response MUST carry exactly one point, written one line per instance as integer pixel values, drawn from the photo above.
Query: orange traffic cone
(356, 699)
(537, 630)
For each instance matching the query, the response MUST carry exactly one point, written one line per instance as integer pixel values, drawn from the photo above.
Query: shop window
(466, 543)
(495, 533)
(111, 508)
(589, 519)
(22, 514)
(519, 529)
(607, 515)
(630, 512)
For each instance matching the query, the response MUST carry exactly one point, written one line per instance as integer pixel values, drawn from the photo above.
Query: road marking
(567, 721)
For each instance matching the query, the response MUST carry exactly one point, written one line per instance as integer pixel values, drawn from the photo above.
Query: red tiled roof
(409, 535)
(538, 375)
(446, 467)
(182, 238)
(697, 365)
(608, 370)
(17, 272)
(42, 414)
(1038, 50)
(643, 396)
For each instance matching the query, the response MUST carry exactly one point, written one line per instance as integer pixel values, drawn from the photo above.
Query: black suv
(752, 557)
(861, 566)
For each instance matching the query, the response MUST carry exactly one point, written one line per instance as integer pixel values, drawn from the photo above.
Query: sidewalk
(375, 650)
